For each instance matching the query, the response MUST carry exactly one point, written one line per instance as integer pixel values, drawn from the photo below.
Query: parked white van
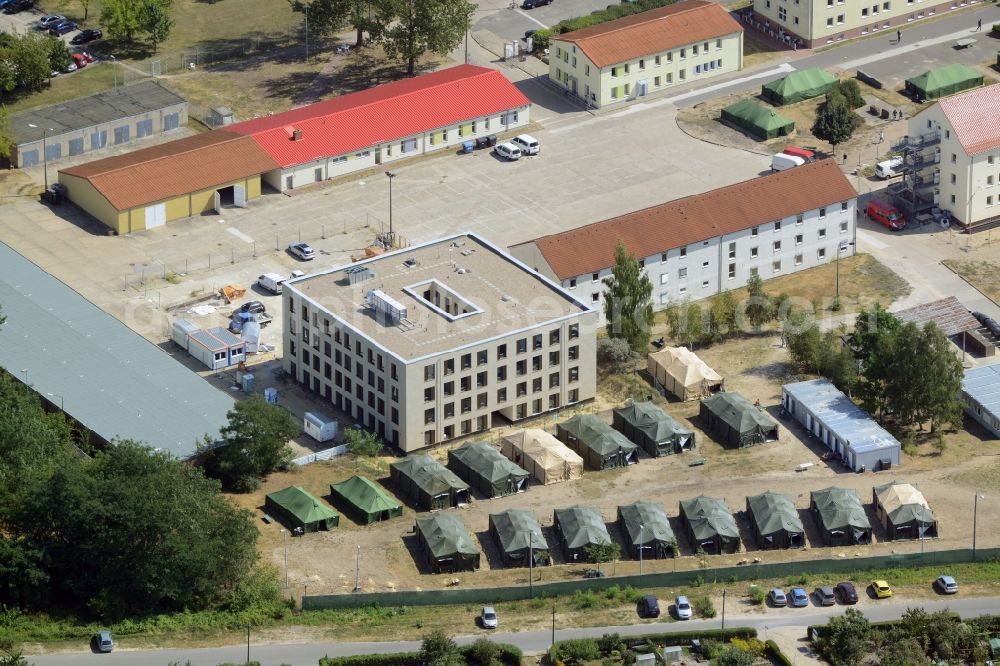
(889, 168)
(527, 143)
(784, 161)
(508, 151)
(271, 282)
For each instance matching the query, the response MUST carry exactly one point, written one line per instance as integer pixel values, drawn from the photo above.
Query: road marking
(784, 68)
(532, 18)
(868, 238)
(909, 48)
(239, 234)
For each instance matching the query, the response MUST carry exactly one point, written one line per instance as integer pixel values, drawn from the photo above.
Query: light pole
(391, 175)
(642, 526)
(24, 371)
(45, 152)
(975, 510)
(553, 624)
(723, 610)
(62, 406)
(248, 643)
(357, 569)
(841, 248)
(531, 566)
(284, 538)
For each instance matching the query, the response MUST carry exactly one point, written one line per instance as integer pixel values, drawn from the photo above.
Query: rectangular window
(144, 128)
(821, 253)
(798, 239)
(732, 250)
(466, 361)
(843, 227)
(572, 283)
(502, 373)
(501, 352)
(663, 278)
(573, 375)
(75, 146)
(574, 331)
(753, 232)
(449, 366)
(753, 253)
(776, 267)
(798, 260)
(732, 271)
(482, 357)
(777, 225)
(121, 134)
(777, 246)
(501, 396)
(822, 232)
(522, 346)
(682, 273)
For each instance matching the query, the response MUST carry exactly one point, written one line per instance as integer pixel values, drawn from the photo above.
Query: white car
(528, 144)
(508, 151)
(50, 19)
(683, 607)
(302, 251)
(489, 618)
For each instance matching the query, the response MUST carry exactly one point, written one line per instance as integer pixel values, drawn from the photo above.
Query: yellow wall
(253, 187)
(84, 195)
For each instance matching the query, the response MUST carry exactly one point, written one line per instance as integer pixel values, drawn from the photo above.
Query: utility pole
(531, 569)
(553, 624)
(723, 610)
(642, 526)
(357, 569)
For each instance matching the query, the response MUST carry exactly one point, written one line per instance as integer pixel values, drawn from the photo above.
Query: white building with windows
(647, 53)
(698, 246)
(439, 341)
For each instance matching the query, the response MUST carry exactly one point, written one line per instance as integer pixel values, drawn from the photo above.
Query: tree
(328, 17)
(155, 21)
(804, 342)
(414, 27)
(686, 323)
(872, 342)
(925, 377)
(438, 649)
(254, 444)
(121, 19)
(86, 8)
(851, 92)
(835, 122)
(31, 60)
(628, 305)
(6, 137)
(362, 442)
(847, 640)
(836, 362)
(759, 309)
(603, 552)
(722, 316)
(59, 55)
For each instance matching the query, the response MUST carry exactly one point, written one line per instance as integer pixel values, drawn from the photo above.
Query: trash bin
(491, 140)
(467, 146)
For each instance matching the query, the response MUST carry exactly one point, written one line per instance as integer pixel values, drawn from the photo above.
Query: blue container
(271, 395)
(248, 383)
(467, 146)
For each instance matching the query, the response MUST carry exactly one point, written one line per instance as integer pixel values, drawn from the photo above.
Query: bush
(996, 29)
(575, 651)
(703, 606)
(757, 595)
(776, 655)
(540, 40)
(614, 352)
(362, 442)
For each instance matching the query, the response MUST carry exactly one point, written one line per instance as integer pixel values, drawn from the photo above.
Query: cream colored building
(953, 151)
(439, 341)
(647, 53)
(820, 22)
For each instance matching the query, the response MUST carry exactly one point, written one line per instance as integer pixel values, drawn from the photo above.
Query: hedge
(540, 40)
(509, 654)
(665, 639)
(775, 653)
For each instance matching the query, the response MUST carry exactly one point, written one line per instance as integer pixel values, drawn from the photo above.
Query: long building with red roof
(287, 150)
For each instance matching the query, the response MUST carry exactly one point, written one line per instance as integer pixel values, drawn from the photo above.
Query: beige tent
(545, 457)
(904, 511)
(680, 372)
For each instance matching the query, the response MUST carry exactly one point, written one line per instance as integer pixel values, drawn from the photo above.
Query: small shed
(294, 507)
(578, 528)
(798, 85)
(181, 330)
(428, 483)
(841, 517)
(903, 511)
(645, 526)
(981, 396)
(366, 499)
(542, 455)
(600, 445)
(516, 532)
(220, 116)
(944, 81)
(734, 421)
(486, 470)
(775, 522)
(710, 525)
(758, 120)
(216, 347)
(446, 544)
(319, 426)
(681, 373)
(652, 429)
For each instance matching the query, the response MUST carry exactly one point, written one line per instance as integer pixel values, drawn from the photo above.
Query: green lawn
(87, 81)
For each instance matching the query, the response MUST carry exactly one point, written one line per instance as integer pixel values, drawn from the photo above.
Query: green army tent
(447, 544)
(841, 516)
(797, 86)
(486, 470)
(652, 428)
(734, 421)
(775, 522)
(294, 507)
(903, 511)
(366, 499)
(710, 525)
(944, 81)
(600, 445)
(645, 526)
(579, 527)
(428, 483)
(515, 531)
(758, 120)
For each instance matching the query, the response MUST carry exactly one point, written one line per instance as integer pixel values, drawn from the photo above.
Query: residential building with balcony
(647, 53)
(438, 341)
(698, 246)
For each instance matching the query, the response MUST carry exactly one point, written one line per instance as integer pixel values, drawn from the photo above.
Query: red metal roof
(384, 113)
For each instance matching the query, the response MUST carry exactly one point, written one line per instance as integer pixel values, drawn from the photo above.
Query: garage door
(156, 216)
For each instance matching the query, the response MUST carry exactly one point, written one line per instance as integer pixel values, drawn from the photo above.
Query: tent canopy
(710, 522)
(652, 428)
(736, 421)
(515, 530)
(842, 517)
(428, 482)
(487, 470)
(542, 455)
(447, 543)
(775, 521)
(944, 81)
(797, 86)
(367, 499)
(601, 446)
(682, 373)
(295, 507)
(579, 527)
(645, 525)
(758, 120)
(904, 511)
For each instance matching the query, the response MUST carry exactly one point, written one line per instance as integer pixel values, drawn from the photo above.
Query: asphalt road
(308, 654)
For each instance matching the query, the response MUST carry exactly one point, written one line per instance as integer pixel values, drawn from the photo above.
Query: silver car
(302, 251)
(946, 584)
(489, 618)
(683, 607)
(103, 641)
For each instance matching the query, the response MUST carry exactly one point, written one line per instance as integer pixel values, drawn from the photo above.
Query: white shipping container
(319, 426)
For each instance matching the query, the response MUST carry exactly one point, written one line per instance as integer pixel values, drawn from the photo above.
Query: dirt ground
(983, 275)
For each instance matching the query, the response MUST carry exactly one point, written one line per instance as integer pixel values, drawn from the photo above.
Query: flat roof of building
(107, 377)
(982, 384)
(479, 292)
(839, 413)
(948, 313)
(83, 112)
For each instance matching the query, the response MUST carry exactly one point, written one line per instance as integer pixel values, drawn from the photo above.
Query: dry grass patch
(983, 275)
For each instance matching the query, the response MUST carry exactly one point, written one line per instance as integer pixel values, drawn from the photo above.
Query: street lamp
(841, 248)
(531, 566)
(642, 526)
(723, 610)
(357, 568)
(284, 537)
(975, 510)
(391, 175)
(45, 151)
(62, 406)
(24, 371)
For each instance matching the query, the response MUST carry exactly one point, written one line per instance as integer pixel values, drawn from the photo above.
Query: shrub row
(577, 646)
(775, 653)
(541, 38)
(509, 654)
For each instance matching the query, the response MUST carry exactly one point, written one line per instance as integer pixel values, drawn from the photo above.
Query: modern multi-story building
(646, 53)
(818, 22)
(439, 340)
(695, 247)
(952, 158)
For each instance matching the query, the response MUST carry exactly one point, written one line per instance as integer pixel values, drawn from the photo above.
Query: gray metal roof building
(981, 396)
(105, 376)
(840, 425)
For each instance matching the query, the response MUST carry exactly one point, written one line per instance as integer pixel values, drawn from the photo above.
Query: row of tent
(296, 507)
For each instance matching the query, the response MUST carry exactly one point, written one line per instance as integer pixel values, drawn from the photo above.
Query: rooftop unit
(358, 274)
(387, 309)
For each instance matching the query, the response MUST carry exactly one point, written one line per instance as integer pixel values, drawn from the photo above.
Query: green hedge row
(509, 654)
(775, 653)
(573, 646)
(540, 40)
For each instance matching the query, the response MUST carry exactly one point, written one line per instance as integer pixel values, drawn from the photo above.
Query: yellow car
(881, 589)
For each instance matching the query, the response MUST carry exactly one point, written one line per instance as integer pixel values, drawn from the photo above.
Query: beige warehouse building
(439, 341)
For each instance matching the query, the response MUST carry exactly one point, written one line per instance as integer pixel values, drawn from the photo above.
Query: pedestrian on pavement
(979, 24)
(899, 37)
(881, 137)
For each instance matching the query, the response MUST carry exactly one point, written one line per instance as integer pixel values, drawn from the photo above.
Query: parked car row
(15, 6)
(522, 144)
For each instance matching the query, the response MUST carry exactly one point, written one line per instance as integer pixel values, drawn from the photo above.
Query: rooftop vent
(387, 309)
(296, 135)
(410, 263)
(358, 274)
